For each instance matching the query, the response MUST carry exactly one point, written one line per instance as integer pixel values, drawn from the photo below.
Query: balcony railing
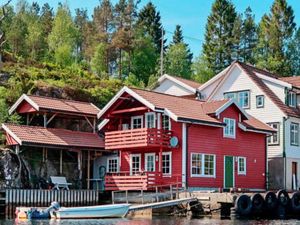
(143, 137)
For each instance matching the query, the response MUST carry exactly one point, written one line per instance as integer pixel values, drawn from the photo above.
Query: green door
(228, 171)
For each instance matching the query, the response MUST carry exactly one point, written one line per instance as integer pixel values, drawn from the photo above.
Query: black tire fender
(271, 201)
(257, 202)
(295, 201)
(283, 198)
(243, 205)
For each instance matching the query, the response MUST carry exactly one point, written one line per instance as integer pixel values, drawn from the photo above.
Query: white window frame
(146, 119)
(262, 105)
(137, 117)
(236, 95)
(140, 156)
(146, 161)
(292, 99)
(162, 122)
(270, 140)
(294, 132)
(202, 165)
(245, 165)
(166, 174)
(107, 164)
(234, 128)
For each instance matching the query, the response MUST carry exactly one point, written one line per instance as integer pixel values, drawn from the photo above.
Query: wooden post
(17, 149)
(79, 158)
(156, 193)
(88, 170)
(45, 120)
(113, 197)
(171, 191)
(60, 162)
(94, 125)
(142, 192)
(126, 192)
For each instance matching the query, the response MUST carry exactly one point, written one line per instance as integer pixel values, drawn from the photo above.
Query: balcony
(135, 138)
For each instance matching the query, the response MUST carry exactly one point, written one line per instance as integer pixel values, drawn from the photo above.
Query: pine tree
(177, 36)
(149, 20)
(248, 37)
(218, 47)
(294, 53)
(275, 30)
(81, 22)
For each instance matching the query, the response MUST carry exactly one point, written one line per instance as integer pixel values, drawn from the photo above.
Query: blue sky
(190, 14)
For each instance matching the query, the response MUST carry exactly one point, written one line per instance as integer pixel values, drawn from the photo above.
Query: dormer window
(292, 99)
(242, 98)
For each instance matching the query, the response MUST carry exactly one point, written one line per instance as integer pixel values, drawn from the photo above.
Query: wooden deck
(144, 137)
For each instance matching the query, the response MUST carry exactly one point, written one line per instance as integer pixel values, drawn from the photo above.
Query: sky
(190, 14)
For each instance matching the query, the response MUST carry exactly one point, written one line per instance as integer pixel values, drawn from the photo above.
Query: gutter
(284, 153)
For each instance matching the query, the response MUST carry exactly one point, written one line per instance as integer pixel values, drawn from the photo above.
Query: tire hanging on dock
(271, 201)
(295, 202)
(283, 198)
(243, 205)
(257, 203)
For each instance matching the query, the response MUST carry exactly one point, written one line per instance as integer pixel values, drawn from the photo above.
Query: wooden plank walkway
(162, 204)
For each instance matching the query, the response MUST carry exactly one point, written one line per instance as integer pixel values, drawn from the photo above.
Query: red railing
(144, 137)
(125, 181)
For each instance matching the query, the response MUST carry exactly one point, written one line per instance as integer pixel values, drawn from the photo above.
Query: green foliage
(294, 53)
(98, 63)
(133, 81)
(201, 72)
(177, 61)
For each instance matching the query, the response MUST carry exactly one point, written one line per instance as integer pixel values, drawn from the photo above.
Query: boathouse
(163, 139)
(59, 139)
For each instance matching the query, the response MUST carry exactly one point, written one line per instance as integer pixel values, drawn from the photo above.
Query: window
(112, 165)
(292, 99)
(166, 123)
(167, 163)
(136, 122)
(135, 164)
(229, 129)
(242, 98)
(150, 162)
(260, 101)
(274, 139)
(150, 120)
(294, 134)
(242, 165)
(203, 165)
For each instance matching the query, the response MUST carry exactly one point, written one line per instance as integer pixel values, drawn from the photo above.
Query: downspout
(187, 155)
(284, 153)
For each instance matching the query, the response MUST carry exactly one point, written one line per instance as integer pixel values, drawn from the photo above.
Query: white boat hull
(103, 211)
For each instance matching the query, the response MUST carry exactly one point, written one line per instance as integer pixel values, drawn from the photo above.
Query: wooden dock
(162, 204)
(43, 198)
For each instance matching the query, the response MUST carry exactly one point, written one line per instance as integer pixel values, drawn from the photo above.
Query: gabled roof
(40, 103)
(52, 137)
(257, 76)
(188, 84)
(295, 80)
(180, 109)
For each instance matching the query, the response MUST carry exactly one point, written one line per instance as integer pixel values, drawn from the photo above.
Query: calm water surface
(153, 221)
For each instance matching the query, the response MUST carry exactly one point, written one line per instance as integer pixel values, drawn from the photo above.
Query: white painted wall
(237, 80)
(172, 88)
(277, 89)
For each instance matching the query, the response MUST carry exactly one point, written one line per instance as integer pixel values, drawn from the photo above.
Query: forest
(50, 50)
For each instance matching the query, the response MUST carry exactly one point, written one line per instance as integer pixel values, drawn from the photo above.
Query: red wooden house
(163, 139)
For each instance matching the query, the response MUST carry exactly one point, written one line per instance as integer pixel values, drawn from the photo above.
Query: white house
(272, 100)
(176, 86)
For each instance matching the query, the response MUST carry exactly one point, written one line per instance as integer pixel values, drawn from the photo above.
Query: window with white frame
(167, 163)
(241, 97)
(292, 99)
(294, 134)
(150, 120)
(260, 101)
(112, 165)
(203, 165)
(274, 138)
(242, 167)
(150, 162)
(136, 122)
(166, 123)
(229, 129)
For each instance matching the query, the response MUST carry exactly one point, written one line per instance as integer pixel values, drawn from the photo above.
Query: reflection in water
(153, 221)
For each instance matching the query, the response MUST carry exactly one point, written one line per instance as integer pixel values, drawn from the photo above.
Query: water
(153, 221)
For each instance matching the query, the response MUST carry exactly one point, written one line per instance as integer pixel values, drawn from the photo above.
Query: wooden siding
(209, 140)
(170, 87)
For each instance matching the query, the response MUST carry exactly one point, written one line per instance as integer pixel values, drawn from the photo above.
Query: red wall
(205, 139)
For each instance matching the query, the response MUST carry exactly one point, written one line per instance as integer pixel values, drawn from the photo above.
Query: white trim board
(169, 77)
(20, 100)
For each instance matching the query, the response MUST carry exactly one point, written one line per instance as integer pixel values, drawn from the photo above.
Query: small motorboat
(91, 212)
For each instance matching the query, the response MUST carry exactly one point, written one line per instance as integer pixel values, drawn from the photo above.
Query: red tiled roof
(253, 123)
(33, 135)
(294, 81)
(251, 71)
(62, 105)
(190, 83)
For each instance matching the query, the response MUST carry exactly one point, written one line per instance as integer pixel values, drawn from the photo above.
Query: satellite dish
(174, 142)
